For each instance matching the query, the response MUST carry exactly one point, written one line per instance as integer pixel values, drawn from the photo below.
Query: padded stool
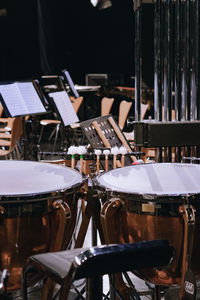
(67, 266)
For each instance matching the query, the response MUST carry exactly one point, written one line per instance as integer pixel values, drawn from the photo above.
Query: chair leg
(17, 152)
(64, 292)
(94, 288)
(24, 282)
(52, 133)
(48, 289)
(41, 133)
(56, 136)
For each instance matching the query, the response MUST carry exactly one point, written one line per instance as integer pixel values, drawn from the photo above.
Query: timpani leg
(92, 210)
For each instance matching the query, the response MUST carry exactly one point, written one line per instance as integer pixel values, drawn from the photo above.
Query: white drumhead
(154, 179)
(27, 177)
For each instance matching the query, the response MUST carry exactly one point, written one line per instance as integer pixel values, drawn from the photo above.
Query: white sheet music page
(21, 99)
(31, 98)
(65, 107)
(13, 99)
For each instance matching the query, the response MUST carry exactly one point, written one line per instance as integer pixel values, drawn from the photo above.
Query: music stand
(63, 107)
(104, 133)
(22, 99)
(70, 82)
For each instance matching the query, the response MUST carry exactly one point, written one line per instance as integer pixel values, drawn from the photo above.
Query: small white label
(189, 287)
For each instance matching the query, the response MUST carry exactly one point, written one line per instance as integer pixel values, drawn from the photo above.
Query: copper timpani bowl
(147, 202)
(38, 208)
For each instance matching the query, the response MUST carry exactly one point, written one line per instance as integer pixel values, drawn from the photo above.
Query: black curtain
(19, 49)
(75, 35)
(44, 36)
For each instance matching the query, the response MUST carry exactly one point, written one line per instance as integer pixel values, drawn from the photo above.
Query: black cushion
(106, 259)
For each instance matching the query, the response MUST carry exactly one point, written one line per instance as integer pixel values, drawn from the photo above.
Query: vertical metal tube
(138, 59)
(193, 38)
(184, 21)
(197, 57)
(158, 50)
(188, 58)
(178, 67)
(193, 64)
(167, 61)
(177, 56)
(166, 65)
(197, 65)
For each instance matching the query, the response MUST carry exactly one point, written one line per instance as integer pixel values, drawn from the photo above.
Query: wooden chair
(5, 124)
(76, 102)
(124, 109)
(106, 105)
(9, 139)
(130, 135)
(1, 110)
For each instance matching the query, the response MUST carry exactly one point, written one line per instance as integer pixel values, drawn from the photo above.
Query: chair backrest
(124, 109)
(109, 259)
(1, 110)
(76, 103)
(16, 132)
(106, 105)
(144, 108)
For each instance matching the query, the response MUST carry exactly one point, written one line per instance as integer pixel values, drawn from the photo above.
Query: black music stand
(70, 83)
(104, 133)
(63, 107)
(60, 105)
(22, 99)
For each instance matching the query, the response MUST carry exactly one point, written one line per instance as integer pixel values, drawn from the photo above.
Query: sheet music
(21, 98)
(13, 99)
(65, 107)
(31, 97)
(71, 84)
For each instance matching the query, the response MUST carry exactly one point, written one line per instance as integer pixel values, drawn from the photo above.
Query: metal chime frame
(176, 65)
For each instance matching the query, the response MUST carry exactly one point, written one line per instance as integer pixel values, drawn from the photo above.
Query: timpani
(37, 210)
(155, 201)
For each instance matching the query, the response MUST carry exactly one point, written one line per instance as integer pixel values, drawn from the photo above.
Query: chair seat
(5, 143)
(48, 122)
(65, 267)
(57, 263)
(107, 259)
(75, 125)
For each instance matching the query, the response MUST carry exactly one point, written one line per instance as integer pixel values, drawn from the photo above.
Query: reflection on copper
(44, 221)
(121, 225)
(24, 236)
(5, 259)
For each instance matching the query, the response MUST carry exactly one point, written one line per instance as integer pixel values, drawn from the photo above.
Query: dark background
(46, 36)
